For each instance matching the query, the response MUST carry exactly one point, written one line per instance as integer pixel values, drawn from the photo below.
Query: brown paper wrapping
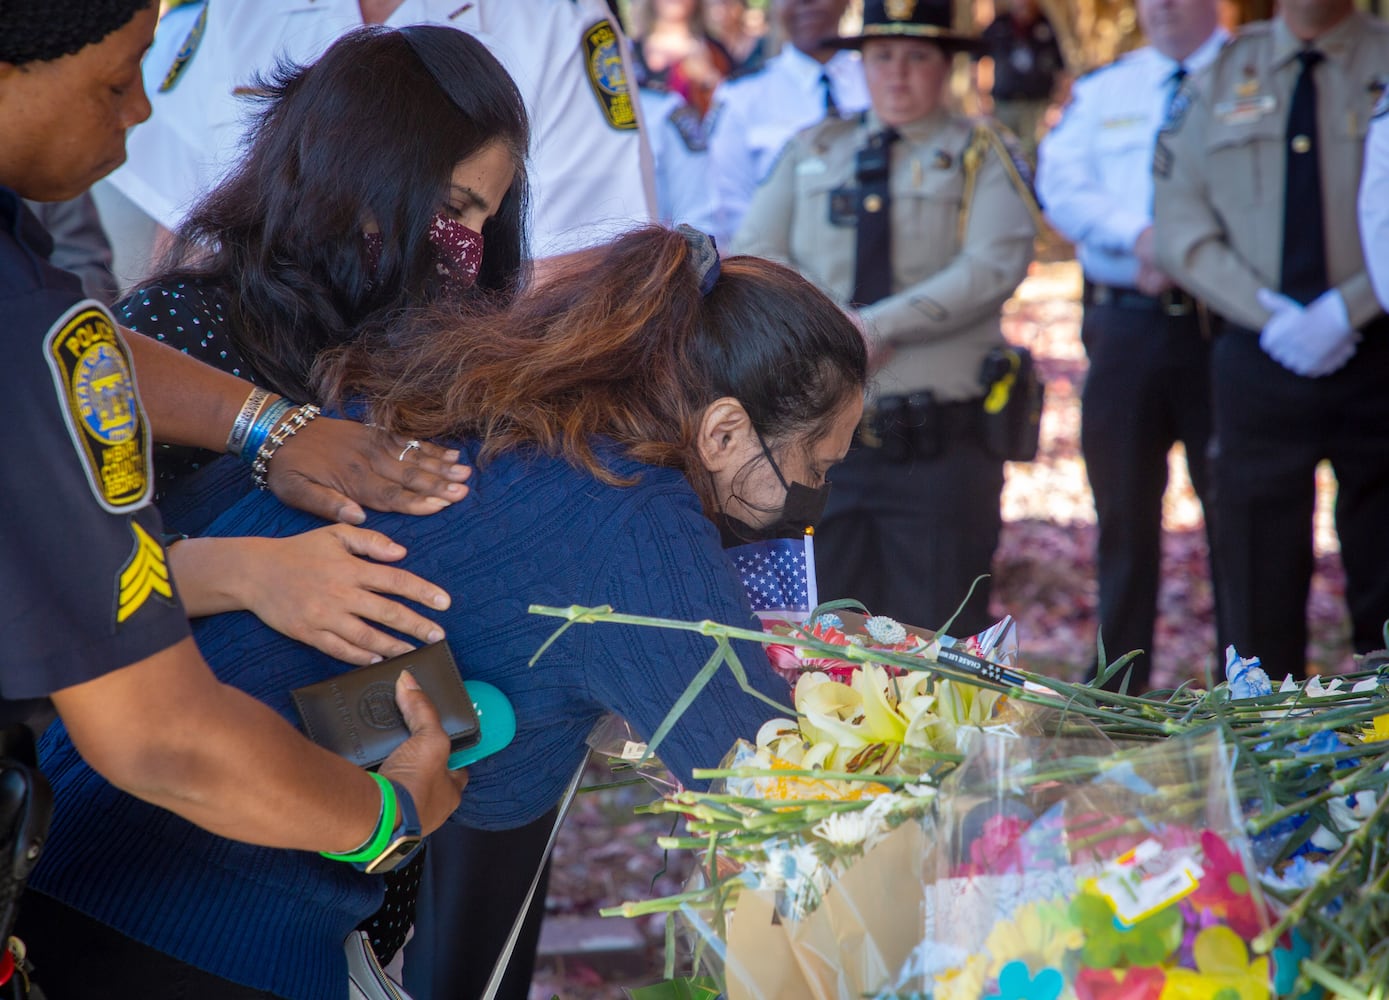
(854, 944)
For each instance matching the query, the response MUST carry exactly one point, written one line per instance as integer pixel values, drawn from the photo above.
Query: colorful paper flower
(1225, 890)
(1040, 934)
(965, 982)
(1000, 848)
(1119, 984)
(1108, 943)
(1223, 971)
(1287, 962)
(1015, 982)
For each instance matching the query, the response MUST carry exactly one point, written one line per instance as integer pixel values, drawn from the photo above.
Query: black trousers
(474, 884)
(78, 958)
(907, 538)
(1271, 429)
(1148, 388)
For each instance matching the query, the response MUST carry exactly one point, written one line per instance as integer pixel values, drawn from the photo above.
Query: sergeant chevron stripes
(145, 573)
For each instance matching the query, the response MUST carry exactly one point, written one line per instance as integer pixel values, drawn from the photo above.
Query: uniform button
(1301, 144)
(873, 203)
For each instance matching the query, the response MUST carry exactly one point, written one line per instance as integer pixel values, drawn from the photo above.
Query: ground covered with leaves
(1044, 576)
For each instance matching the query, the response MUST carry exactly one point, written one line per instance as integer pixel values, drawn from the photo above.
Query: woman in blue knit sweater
(613, 417)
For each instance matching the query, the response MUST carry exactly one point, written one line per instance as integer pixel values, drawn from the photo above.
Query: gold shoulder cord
(981, 138)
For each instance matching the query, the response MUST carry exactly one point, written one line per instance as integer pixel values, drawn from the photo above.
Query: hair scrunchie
(704, 256)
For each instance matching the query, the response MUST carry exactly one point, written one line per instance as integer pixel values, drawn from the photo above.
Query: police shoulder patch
(687, 123)
(186, 51)
(602, 52)
(95, 379)
(144, 575)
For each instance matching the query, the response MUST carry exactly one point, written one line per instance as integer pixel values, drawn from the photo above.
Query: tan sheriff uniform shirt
(1220, 161)
(948, 290)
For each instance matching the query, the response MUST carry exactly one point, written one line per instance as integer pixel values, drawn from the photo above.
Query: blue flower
(1246, 676)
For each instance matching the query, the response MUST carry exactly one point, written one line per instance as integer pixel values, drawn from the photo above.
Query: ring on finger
(409, 447)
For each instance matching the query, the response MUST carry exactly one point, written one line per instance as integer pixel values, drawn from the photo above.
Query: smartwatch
(405, 838)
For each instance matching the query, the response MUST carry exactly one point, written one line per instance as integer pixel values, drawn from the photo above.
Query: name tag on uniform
(844, 206)
(1126, 121)
(1243, 110)
(810, 167)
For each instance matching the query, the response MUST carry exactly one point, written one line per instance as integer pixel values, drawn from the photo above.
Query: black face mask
(803, 509)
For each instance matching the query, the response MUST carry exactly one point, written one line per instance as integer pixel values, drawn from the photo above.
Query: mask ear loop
(772, 461)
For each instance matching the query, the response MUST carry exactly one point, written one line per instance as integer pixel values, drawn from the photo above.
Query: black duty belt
(1173, 302)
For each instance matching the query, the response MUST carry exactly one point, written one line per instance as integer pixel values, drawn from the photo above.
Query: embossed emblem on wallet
(355, 714)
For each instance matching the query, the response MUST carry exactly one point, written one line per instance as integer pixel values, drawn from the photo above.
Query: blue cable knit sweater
(534, 531)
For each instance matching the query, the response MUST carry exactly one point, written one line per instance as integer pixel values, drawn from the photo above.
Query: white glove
(1311, 341)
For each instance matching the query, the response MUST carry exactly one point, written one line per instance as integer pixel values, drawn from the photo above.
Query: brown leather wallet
(355, 714)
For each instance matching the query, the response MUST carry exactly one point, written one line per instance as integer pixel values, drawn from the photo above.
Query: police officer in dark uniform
(1256, 173)
(92, 619)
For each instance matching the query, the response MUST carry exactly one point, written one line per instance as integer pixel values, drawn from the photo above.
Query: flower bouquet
(935, 823)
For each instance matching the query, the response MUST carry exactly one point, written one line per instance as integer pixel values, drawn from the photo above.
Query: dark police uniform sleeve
(84, 580)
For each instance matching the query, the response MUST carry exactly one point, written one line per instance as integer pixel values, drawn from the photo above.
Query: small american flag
(778, 575)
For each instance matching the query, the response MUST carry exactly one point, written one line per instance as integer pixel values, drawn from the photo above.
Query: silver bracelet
(260, 467)
(245, 420)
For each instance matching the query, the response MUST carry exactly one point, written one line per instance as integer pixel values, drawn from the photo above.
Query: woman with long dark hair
(387, 175)
(612, 417)
(364, 171)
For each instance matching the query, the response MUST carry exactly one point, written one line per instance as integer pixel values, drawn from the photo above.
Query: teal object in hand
(496, 720)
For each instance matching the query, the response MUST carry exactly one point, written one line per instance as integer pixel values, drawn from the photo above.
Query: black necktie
(873, 251)
(1304, 236)
(831, 109)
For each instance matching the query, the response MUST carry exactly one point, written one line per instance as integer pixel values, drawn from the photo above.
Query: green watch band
(385, 827)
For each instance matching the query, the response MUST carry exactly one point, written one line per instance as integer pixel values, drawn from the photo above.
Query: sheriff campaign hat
(928, 20)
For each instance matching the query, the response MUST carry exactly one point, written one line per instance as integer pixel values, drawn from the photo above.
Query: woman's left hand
(326, 588)
(333, 468)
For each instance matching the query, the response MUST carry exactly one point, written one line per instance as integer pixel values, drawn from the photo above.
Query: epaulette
(988, 134)
(1247, 32)
(1117, 61)
(823, 133)
(691, 129)
(186, 50)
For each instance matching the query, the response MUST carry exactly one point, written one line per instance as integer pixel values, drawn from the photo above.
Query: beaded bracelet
(381, 836)
(245, 420)
(266, 421)
(260, 467)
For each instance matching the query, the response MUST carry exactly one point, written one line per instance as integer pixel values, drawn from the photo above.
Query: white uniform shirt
(680, 154)
(753, 116)
(589, 180)
(1374, 202)
(1095, 169)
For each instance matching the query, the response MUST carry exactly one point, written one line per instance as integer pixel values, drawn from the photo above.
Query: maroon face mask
(457, 252)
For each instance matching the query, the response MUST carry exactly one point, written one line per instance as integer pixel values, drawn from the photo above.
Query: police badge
(95, 380)
(602, 53)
